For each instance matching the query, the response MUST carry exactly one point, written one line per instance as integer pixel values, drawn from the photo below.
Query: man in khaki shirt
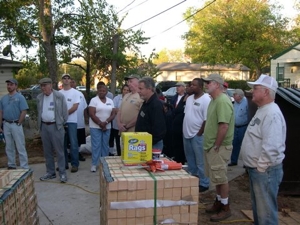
(131, 104)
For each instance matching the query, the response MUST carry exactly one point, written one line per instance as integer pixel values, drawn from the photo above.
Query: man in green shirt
(218, 136)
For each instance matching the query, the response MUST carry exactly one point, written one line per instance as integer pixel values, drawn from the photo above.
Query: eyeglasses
(66, 78)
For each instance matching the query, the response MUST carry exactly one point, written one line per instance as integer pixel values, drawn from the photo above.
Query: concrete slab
(73, 203)
(77, 201)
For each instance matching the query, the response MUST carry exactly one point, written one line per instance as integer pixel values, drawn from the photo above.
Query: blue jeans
(100, 144)
(14, 138)
(239, 133)
(159, 145)
(71, 135)
(193, 149)
(264, 189)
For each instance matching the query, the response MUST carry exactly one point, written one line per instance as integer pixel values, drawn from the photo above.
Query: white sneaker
(93, 169)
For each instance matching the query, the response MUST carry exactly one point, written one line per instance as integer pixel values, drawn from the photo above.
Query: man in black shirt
(151, 116)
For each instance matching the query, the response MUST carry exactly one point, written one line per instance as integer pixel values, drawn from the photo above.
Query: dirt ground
(239, 196)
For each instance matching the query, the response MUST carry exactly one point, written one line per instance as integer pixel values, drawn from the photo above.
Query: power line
(184, 19)
(126, 6)
(136, 6)
(156, 15)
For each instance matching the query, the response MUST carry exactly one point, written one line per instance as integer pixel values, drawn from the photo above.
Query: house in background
(285, 67)
(189, 71)
(7, 69)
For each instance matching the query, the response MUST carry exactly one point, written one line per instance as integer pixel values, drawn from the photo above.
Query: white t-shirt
(48, 114)
(72, 97)
(80, 111)
(103, 111)
(195, 114)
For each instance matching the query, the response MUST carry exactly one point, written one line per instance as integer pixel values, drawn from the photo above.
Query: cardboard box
(128, 195)
(137, 147)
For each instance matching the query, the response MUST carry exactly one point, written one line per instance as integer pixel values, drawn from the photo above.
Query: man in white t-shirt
(193, 128)
(81, 116)
(73, 100)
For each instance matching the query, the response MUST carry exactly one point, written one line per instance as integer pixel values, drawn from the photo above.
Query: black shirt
(151, 119)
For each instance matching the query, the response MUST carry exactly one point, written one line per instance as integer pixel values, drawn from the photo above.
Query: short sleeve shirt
(220, 110)
(72, 97)
(12, 105)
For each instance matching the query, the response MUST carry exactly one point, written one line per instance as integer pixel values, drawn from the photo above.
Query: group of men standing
(212, 128)
(214, 133)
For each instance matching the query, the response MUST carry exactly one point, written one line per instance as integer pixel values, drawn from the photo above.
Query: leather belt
(241, 126)
(12, 121)
(48, 123)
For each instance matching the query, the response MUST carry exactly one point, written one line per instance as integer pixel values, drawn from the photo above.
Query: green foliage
(238, 84)
(32, 111)
(166, 55)
(229, 32)
(29, 74)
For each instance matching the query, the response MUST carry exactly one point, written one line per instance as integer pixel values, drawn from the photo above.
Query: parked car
(230, 93)
(81, 88)
(32, 92)
(169, 93)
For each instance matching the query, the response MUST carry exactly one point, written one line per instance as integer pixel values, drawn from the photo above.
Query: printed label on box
(137, 147)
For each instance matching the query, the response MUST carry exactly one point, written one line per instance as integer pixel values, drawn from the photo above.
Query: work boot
(215, 208)
(222, 215)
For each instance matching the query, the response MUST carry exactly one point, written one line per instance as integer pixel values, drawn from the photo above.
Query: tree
(168, 55)
(27, 23)
(230, 32)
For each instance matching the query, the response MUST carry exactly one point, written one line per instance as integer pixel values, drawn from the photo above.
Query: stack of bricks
(18, 199)
(139, 191)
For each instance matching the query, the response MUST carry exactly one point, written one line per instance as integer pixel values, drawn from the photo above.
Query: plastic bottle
(2, 137)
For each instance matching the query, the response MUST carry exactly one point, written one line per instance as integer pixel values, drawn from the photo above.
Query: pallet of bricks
(131, 195)
(18, 198)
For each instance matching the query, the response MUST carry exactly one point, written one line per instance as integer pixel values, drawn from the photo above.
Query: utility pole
(114, 63)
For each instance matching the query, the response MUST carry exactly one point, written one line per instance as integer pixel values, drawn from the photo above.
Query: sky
(141, 10)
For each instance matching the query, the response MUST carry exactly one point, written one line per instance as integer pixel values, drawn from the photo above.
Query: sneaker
(11, 168)
(48, 176)
(93, 169)
(57, 169)
(63, 178)
(224, 213)
(81, 158)
(74, 169)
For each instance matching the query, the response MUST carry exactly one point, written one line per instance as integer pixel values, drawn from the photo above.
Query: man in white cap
(263, 149)
(218, 136)
(73, 100)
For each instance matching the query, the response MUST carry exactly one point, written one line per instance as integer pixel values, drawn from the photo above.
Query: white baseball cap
(266, 81)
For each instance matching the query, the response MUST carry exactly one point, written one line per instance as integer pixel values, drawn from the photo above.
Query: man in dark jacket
(151, 116)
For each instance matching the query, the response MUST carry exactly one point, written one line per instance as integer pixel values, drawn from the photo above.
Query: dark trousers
(114, 135)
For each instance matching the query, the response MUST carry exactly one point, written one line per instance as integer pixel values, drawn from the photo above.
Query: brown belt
(48, 123)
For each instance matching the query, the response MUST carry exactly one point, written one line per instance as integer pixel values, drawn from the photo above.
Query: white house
(7, 69)
(285, 67)
(189, 71)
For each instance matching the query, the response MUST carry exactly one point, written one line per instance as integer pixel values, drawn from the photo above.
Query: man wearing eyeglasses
(73, 100)
(52, 115)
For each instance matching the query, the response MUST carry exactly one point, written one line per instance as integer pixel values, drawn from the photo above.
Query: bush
(238, 84)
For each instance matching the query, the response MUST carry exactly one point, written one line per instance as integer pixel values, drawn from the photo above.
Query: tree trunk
(47, 32)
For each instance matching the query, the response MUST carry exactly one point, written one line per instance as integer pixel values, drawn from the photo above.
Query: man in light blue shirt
(241, 122)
